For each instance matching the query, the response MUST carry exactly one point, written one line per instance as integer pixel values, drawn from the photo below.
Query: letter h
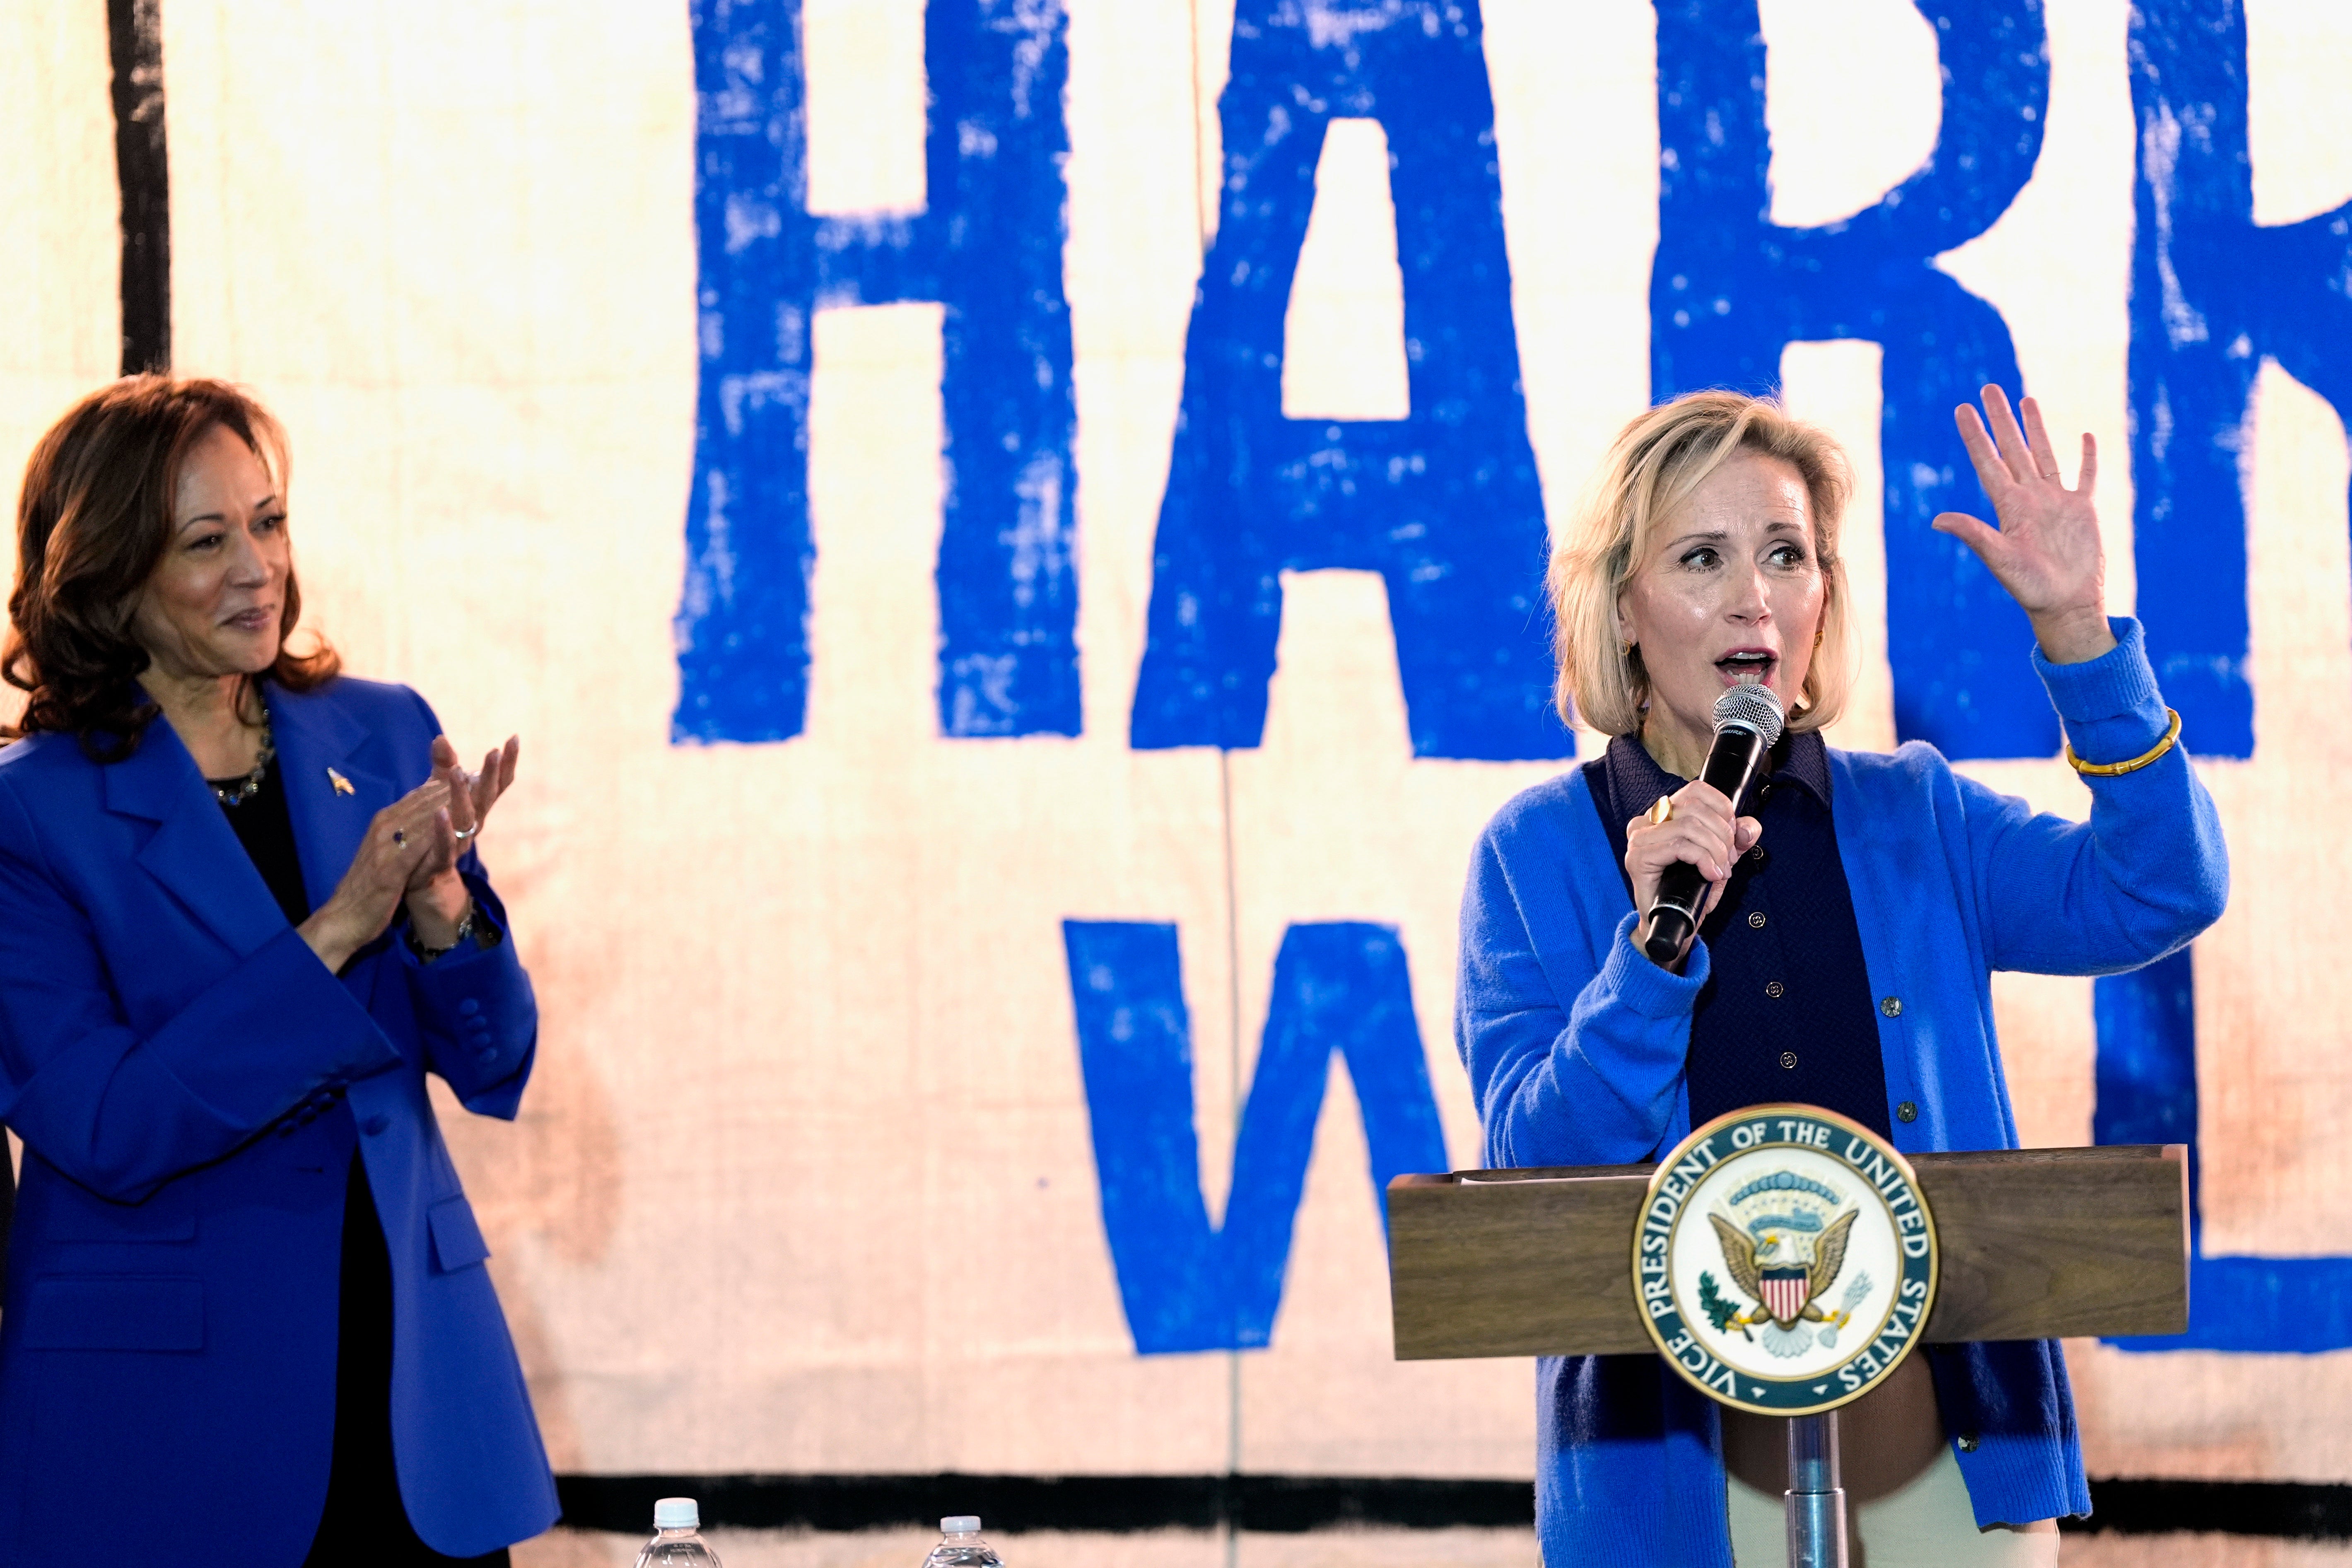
(2213, 293)
(988, 246)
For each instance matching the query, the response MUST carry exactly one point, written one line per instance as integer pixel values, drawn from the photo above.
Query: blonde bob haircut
(1657, 461)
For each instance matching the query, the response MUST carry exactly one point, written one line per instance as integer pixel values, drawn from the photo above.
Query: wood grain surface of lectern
(2036, 1244)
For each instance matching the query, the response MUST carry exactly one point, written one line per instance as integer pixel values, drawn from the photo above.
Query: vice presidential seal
(1785, 1261)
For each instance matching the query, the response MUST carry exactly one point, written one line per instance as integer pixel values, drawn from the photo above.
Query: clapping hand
(400, 838)
(438, 899)
(2047, 552)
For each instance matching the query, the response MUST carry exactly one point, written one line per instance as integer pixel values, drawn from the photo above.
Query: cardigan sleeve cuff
(2110, 704)
(1643, 987)
(2118, 682)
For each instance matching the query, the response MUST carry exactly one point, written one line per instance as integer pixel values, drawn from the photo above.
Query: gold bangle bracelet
(2109, 770)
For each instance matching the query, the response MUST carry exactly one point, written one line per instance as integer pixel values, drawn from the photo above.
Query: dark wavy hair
(93, 522)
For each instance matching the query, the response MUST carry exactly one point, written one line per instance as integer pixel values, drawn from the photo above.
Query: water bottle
(677, 1541)
(961, 1545)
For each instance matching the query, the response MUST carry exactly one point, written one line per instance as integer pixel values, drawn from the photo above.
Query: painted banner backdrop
(1012, 529)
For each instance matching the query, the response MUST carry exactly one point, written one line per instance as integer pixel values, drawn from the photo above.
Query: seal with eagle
(1788, 1284)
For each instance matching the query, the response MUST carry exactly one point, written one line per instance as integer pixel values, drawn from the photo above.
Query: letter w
(1337, 988)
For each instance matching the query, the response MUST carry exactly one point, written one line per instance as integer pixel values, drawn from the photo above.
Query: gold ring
(1661, 811)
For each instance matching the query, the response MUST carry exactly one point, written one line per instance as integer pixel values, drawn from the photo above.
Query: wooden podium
(2036, 1244)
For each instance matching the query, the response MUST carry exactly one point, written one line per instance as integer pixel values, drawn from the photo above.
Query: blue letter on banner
(2212, 294)
(2148, 1094)
(1730, 289)
(989, 248)
(1444, 504)
(1337, 988)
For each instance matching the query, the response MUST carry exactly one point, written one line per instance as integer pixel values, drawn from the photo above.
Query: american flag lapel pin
(342, 785)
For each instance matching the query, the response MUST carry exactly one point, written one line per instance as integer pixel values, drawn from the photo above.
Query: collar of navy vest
(1636, 779)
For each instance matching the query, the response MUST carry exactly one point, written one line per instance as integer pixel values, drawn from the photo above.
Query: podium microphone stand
(1816, 1500)
(1784, 1260)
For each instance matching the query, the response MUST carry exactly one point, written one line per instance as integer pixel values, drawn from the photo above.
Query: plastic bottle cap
(677, 1513)
(960, 1524)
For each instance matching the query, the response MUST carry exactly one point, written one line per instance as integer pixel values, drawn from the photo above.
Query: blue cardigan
(1574, 1044)
(190, 1082)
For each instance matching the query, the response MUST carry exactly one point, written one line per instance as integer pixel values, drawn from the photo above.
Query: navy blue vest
(1786, 1014)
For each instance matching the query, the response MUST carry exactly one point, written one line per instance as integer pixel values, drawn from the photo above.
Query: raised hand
(2047, 552)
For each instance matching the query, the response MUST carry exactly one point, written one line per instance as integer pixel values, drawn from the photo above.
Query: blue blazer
(190, 1081)
(1575, 1042)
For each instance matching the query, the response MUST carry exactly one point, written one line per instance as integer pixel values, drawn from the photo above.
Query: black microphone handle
(1731, 762)
(1682, 889)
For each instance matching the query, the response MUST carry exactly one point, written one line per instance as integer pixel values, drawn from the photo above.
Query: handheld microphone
(1747, 725)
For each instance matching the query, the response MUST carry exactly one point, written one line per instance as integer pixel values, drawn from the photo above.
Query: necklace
(243, 790)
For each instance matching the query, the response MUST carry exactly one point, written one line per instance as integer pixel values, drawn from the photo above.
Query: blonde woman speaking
(1851, 922)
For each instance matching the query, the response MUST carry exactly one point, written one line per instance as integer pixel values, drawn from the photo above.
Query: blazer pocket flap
(114, 1312)
(457, 1240)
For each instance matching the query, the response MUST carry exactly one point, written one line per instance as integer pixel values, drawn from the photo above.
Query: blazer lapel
(316, 742)
(195, 852)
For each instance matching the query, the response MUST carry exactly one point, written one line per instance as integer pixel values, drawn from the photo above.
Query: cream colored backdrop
(805, 1182)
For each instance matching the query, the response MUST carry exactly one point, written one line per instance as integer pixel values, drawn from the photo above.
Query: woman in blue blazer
(247, 1318)
(1856, 911)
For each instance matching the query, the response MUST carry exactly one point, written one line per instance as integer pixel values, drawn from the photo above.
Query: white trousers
(1924, 1523)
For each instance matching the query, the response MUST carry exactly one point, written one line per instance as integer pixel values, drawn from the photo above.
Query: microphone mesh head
(1750, 707)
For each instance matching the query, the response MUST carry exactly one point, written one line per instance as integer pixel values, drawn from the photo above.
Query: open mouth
(251, 620)
(1747, 667)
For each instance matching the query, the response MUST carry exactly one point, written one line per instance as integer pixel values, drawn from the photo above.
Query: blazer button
(1967, 1442)
(1906, 1112)
(1756, 919)
(1891, 1005)
(307, 1115)
(469, 1006)
(376, 1124)
(487, 1055)
(1789, 1060)
(1772, 988)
